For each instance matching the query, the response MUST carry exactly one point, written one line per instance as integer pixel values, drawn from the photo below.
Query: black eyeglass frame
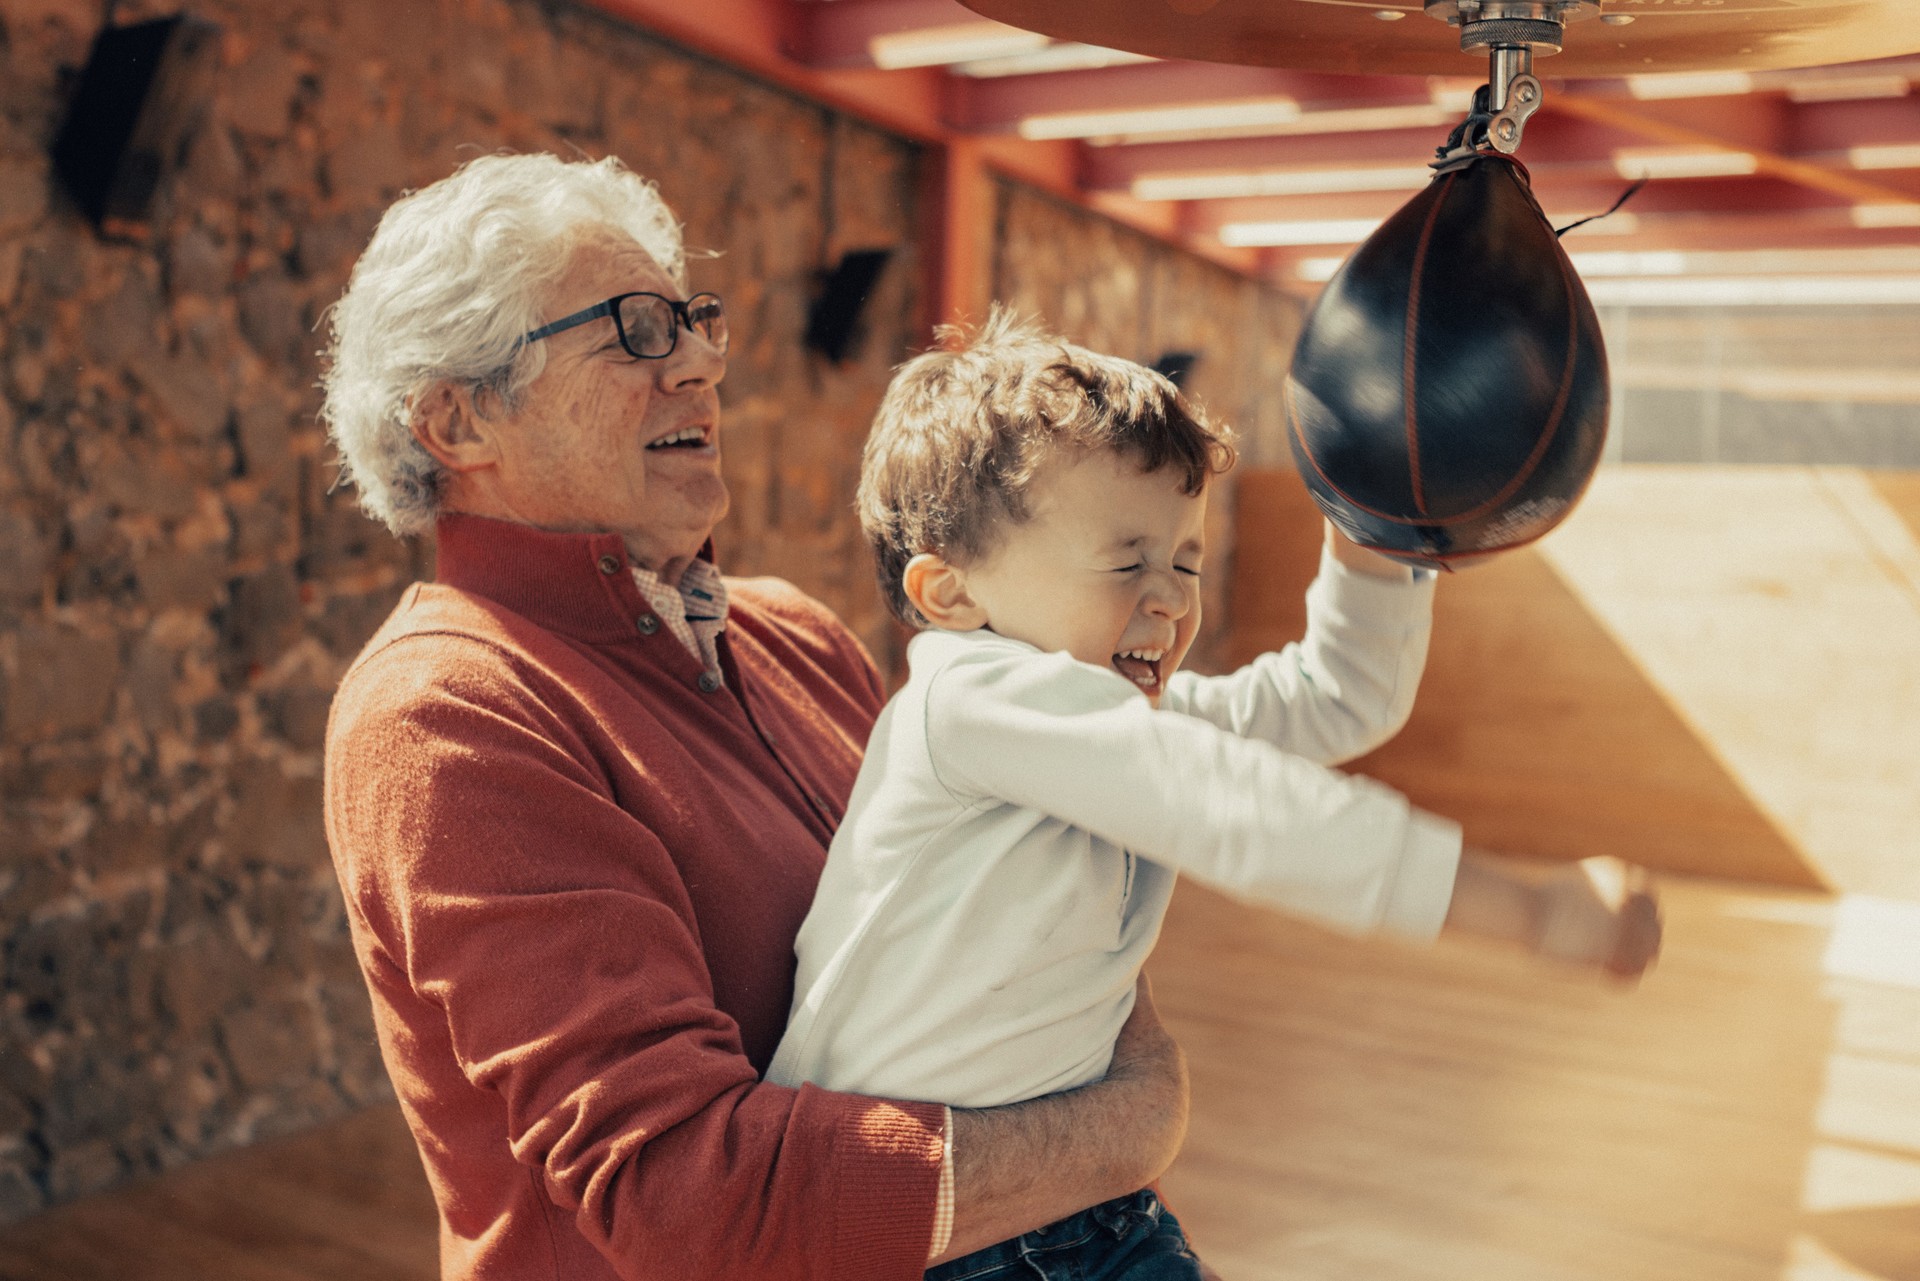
(682, 319)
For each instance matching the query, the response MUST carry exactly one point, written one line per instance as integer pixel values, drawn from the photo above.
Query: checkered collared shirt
(695, 611)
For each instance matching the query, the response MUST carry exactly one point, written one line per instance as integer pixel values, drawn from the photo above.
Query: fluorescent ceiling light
(1663, 263)
(1691, 84)
(1279, 182)
(1682, 162)
(1887, 215)
(1065, 55)
(1359, 119)
(1456, 95)
(1899, 156)
(1755, 291)
(1150, 121)
(1846, 88)
(1884, 260)
(961, 42)
(1151, 124)
(1329, 231)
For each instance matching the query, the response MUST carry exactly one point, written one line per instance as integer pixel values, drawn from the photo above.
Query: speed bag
(1448, 395)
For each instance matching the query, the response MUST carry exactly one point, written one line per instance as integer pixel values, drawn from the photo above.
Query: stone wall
(182, 584)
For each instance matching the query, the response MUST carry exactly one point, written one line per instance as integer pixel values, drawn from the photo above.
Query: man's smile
(694, 437)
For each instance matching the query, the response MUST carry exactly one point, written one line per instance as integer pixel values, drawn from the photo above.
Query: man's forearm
(1020, 1167)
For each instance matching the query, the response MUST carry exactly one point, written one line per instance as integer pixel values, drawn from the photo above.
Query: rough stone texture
(183, 585)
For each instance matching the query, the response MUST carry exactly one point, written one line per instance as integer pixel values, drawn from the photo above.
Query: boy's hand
(1359, 559)
(1599, 911)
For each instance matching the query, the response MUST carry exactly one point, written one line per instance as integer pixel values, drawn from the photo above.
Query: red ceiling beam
(1654, 233)
(757, 36)
(1550, 139)
(841, 34)
(1836, 126)
(1833, 76)
(1813, 133)
(1771, 163)
(1576, 192)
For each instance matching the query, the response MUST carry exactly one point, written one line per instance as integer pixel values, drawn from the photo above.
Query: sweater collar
(580, 585)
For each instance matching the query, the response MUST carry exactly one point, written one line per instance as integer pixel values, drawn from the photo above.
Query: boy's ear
(939, 591)
(447, 426)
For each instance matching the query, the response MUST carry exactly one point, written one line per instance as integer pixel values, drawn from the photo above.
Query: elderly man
(580, 788)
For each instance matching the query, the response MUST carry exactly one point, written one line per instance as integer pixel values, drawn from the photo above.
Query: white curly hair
(452, 278)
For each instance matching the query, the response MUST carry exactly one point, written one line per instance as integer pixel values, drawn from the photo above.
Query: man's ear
(939, 591)
(448, 426)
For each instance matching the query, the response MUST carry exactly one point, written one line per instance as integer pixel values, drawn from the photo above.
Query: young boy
(1039, 511)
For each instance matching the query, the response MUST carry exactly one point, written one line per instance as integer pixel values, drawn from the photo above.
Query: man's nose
(693, 362)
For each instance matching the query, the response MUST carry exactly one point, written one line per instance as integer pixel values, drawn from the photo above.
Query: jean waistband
(1116, 1218)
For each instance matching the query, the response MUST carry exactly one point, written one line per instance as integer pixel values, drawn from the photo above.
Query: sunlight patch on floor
(1862, 1171)
(1844, 1178)
(1812, 1261)
(1875, 939)
(1778, 610)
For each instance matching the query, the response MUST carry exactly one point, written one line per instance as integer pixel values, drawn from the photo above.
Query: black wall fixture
(1176, 365)
(833, 322)
(141, 94)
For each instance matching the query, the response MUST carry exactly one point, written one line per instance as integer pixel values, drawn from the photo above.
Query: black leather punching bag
(1448, 396)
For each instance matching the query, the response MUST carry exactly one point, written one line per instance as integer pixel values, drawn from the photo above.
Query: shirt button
(609, 564)
(709, 682)
(647, 624)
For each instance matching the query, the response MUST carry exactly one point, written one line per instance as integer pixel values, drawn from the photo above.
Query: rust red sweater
(574, 878)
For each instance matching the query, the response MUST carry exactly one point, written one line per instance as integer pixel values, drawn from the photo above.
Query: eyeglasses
(649, 324)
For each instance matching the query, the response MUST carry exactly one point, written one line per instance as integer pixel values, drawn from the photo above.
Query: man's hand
(1021, 1167)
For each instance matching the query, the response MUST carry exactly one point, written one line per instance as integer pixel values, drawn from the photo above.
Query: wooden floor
(1751, 1112)
(1363, 1110)
(1367, 1112)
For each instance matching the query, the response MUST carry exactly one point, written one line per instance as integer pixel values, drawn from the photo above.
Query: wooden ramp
(1711, 670)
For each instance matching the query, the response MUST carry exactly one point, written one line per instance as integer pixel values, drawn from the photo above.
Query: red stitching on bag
(1409, 390)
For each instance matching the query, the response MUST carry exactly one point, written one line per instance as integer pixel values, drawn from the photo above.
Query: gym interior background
(1713, 668)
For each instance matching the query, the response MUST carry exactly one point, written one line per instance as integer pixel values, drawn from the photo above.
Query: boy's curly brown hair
(964, 428)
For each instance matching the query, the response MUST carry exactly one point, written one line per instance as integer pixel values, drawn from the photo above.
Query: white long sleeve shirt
(1013, 838)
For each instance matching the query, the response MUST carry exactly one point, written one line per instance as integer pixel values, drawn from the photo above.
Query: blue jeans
(1134, 1238)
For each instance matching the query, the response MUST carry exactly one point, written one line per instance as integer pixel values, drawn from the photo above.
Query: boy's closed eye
(1192, 571)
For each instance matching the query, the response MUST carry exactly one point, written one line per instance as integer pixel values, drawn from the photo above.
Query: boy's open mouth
(1141, 666)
